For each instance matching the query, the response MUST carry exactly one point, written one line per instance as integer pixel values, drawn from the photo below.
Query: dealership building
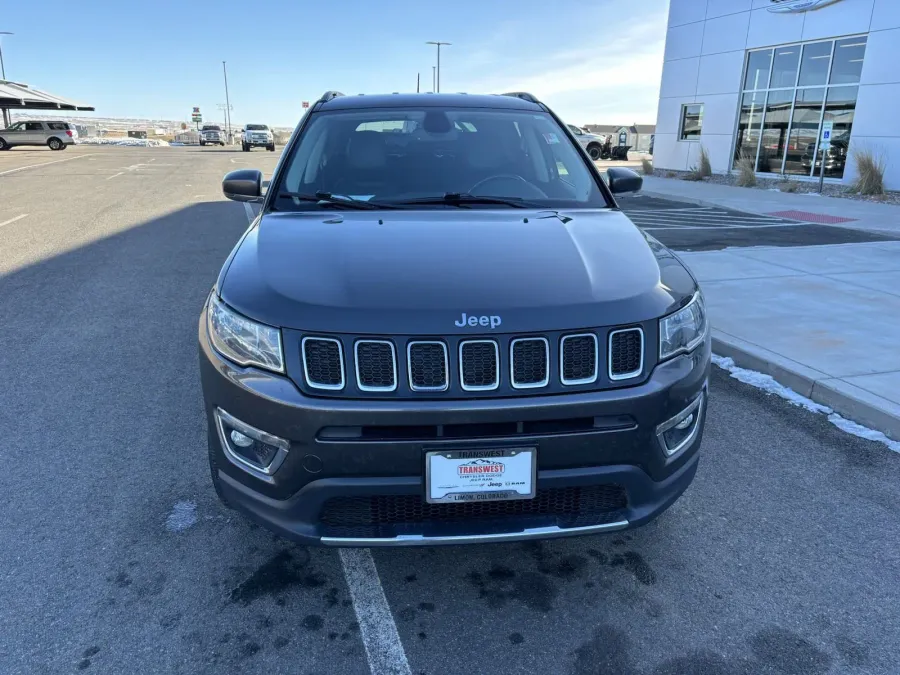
(764, 80)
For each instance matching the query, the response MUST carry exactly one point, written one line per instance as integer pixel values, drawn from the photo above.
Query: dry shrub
(746, 171)
(788, 185)
(870, 167)
(647, 167)
(671, 174)
(703, 169)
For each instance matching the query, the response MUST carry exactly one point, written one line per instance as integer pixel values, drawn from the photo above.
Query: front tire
(271, 148)
(55, 144)
(594, 152)
(4, 145)
(245, 147)
(202, 144)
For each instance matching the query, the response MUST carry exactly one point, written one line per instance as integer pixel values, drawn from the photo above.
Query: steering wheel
(516, 187)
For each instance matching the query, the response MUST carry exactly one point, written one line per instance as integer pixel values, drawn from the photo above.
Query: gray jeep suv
(440, 328)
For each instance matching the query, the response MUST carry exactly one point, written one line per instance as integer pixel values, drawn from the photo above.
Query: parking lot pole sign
(824, 147)
(196, 117)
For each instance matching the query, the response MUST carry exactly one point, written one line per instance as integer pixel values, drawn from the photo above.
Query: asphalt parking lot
(690, 227)
(116, 557)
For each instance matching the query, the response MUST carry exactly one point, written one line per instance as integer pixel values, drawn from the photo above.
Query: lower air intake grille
(386, 515)
(529, 358)
(376, 367)
(626, 353)
(427, 366)
(478, 365)
(579, 359)
(323, 363)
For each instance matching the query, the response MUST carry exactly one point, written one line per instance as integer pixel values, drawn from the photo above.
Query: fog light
(248, 447)
(240, 440)
(677, 433)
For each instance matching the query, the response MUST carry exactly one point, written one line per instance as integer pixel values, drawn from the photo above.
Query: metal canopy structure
(18, 96)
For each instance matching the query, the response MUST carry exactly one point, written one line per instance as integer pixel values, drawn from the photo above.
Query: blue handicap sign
(827, 135)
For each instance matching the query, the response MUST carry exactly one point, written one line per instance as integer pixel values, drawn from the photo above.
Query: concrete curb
(701, 202)
(845, 399)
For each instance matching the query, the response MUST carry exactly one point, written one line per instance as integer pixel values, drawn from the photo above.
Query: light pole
(432, 79)
(6, 119)
(227, 103)
(438, 76)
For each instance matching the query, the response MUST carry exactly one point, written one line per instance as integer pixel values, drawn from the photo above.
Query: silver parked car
(54, 134)
(590, 142)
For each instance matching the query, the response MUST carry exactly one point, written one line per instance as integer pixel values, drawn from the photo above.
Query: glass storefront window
(848, 60)
(788, 92)
(775, 131)
(749, 125)
(784, 71)
(758, 66)
(815, 63)
(840, 108)
(804, 131)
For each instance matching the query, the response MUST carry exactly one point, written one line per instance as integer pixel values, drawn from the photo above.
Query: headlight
(243, 341)
(682, 331)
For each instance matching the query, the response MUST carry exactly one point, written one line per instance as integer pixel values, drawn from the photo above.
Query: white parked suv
(257, 136)
(56, 135)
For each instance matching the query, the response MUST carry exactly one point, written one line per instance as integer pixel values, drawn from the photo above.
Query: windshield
(257, 127)
(211, 128)
(398, 155)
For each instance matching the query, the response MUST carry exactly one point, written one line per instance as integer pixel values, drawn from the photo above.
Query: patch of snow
(768, 384)
(183, 516)
(132, 142)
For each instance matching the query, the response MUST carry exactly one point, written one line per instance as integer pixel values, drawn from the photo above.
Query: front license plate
(480, 475)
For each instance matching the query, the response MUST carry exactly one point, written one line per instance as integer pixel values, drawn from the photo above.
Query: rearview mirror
(243, 185)
(623, 180)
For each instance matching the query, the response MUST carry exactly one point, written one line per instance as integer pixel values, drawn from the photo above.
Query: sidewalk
(822, 320)
(864, 215)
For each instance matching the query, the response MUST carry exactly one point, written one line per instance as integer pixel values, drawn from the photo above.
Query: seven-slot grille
(429, 366)
(530, 363)
(578, 359)
(376, 365)
(626, 353)
(477, 365)
(323, 360)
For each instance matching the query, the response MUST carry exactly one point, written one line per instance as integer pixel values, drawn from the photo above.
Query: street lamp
(227, 104)
(6, 119)
(438, 77)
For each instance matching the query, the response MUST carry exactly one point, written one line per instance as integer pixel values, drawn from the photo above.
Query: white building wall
(706, 44)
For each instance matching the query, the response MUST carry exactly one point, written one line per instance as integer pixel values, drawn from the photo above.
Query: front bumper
(622, 450)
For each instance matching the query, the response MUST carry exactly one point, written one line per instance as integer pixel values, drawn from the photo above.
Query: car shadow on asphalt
(118, 541)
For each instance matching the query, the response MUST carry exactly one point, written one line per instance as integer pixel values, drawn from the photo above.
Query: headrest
(367, 150)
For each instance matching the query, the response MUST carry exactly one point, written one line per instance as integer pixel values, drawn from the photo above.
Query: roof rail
(524, 95)
(328, 95)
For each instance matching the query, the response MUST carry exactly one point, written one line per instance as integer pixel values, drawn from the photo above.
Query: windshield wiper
(463, 198)
(337, 200)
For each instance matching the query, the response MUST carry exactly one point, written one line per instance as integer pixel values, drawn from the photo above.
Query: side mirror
(623, 180)
(243, 185)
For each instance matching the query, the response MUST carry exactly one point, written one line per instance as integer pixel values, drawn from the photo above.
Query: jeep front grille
(530, 363)
(479, 365)
(453, 366)
(323, 362)
(578, 359)
(376, 365)
(428, 365)
(626, 353)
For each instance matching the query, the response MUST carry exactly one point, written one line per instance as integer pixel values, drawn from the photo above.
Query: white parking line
(12, 220)
(31, 166)
(115, 175)
(249, 211)
(376, 623)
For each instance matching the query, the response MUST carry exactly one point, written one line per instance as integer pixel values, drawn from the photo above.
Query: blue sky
(593, 61)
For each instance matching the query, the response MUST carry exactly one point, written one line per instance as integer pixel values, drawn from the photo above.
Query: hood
(417, 272)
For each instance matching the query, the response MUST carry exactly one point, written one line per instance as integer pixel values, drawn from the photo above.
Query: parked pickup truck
(212, 134)
(257, 136)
